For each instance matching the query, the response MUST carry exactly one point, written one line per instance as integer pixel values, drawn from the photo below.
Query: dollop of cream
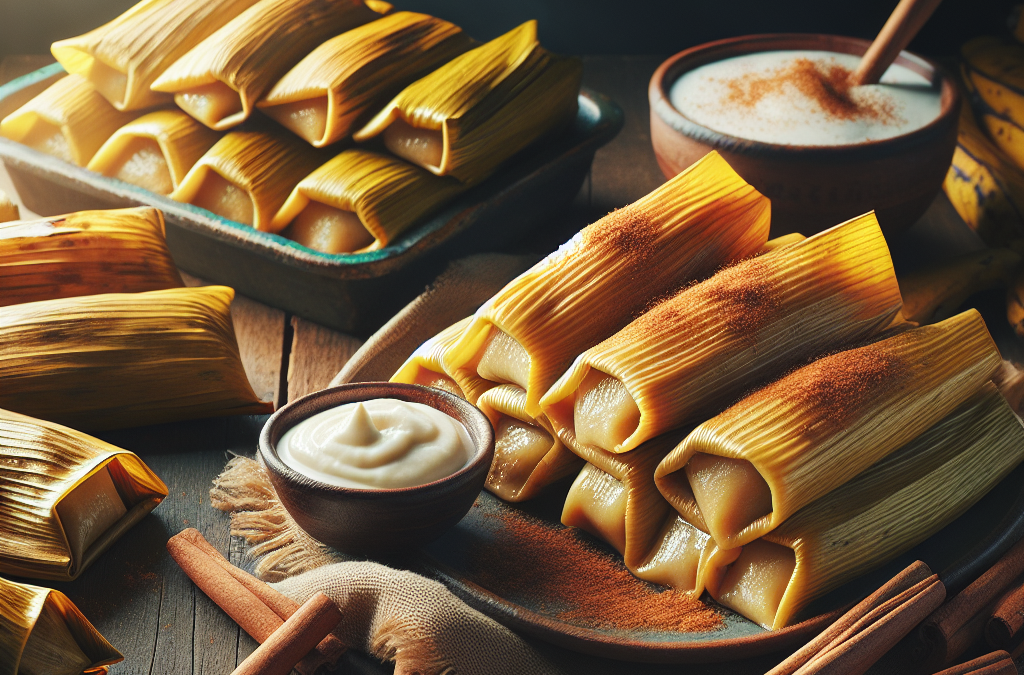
(381, 443)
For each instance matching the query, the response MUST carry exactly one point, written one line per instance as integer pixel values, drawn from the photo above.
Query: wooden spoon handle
(896, 34)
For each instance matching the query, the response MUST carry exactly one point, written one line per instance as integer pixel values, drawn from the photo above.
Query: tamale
(69, 120)
(891, 507)
(76, 495)
(695, 353)
(425, 365)
(43, 633)
(600, 280)
(123, 57)
(360, 201)
(8, 209)
(741, 474)
(470, 115)
(527, 455)
(155, 151)
(677, 557)
(247, 175)
(220, 79)
(85, 253)
(125, 359)
(340, 83)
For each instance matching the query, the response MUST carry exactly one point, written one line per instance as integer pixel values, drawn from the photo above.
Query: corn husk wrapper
(68, 120)
(515, 475)
(40, 463)
(123, 57)
(39, 624)
(349, 77)
(894, 505)
(489, 103)
(85, 253)
(823, 424)
(389, 195)
(8, 209)
(253, 50)
(266, 166)
(125, 359)
(180, 141)
(426, 366)
(606, 275)
(695, 353)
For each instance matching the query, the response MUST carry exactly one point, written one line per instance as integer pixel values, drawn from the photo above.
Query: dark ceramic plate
(353, 293)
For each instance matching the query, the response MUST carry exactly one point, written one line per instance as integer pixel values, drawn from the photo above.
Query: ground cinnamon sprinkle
(579, 583)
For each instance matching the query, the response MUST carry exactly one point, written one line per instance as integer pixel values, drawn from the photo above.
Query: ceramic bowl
(377, 520)
(812, 188)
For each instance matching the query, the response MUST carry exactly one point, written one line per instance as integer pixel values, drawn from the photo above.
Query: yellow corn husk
(48, 467)
(43, 633)
(219, 80)
(488, 104)
(8, 209)
(695, 353)
(69, 120)
(825, 423)
(527, 454)
(155, 151)
(340, 83)
(894, 505)
(123, 57)
(125, 360)
(85, 253)
(778, 242)
(262, 168)
(387, 195)
(425, 366)
(606, 275)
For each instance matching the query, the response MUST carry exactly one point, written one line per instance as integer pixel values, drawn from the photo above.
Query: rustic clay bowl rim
(477, 426)
(674, 67)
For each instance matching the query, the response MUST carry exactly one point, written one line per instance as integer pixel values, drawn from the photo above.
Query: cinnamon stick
(313, 621)
(1003, 630)
(996, 663)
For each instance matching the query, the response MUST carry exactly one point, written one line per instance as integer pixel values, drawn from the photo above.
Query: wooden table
(136, 595)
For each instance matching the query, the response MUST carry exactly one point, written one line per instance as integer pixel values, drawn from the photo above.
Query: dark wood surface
(136, 595)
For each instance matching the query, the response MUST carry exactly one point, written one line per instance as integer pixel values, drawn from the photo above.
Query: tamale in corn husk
(124, 359)
(741, 474)
(8, 209)
(123, 57)
(348, 78)
(695, 353)
(43, 633)
(247, 176)
(155, 151)
(425, 366)
(76, 496)
(471, 114)
(85, 253)
(360, 201)
(527, 455)
(219, 80)
(889, 508)
(604, 277)
(69, 120)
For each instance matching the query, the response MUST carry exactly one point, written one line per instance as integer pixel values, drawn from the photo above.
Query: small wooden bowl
(812, 188)
(377, 520)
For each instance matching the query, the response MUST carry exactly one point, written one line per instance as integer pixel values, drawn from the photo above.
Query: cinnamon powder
(579, 583)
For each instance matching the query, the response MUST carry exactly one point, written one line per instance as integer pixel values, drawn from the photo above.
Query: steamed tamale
(527, 455)
(43, 633)
(426, 365)
(76, 495)
(155, 151)
(892, 506)
(124, 359)
(85, 253)
(695, 353)
(220, 79)
(8, 209)
(340, 83)
(677, 556)
(122, 58)
(741, 474)
(69, 120)
(361, 201)
(600, 280)
(247, 175)
(470, 115)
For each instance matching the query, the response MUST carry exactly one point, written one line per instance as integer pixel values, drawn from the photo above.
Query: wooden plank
(317, 354)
